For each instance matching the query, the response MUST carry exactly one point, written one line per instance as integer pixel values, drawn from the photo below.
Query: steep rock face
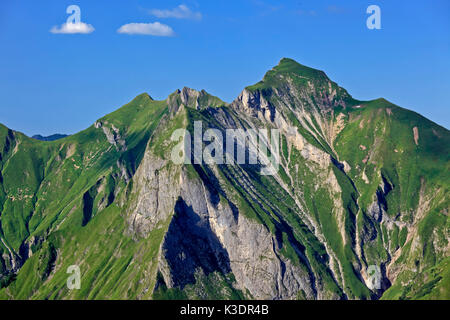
(157, 187)
(206, 233)
(193, 99)
(190, 245)
(255, 104)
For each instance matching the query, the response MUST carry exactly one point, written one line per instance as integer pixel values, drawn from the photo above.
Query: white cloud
(72, 28)
(153, 29)
(180, 12)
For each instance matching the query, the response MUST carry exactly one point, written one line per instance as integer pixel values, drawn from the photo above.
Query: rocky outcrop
(205, 234)
(192, 98)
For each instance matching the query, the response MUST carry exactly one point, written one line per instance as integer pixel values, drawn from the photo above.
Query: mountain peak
(290, 66)
(290, 78)
(290, 70)
(288, 62)
(144, 95)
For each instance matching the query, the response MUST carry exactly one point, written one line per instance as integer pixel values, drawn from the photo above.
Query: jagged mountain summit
(362, 189)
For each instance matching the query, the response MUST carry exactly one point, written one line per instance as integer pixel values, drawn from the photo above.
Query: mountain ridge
(359, 183)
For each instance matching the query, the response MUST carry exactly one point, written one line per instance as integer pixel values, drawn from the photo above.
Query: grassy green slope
(378, 141)
(59, 186)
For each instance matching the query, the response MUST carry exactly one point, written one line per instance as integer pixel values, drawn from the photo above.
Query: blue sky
(62, 83)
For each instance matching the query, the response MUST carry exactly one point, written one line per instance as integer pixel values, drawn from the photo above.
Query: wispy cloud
(152, 29)
(180, 12)
(73, 28)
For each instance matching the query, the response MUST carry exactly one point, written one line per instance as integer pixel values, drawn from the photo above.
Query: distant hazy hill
(52, 137)
(362, 185)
